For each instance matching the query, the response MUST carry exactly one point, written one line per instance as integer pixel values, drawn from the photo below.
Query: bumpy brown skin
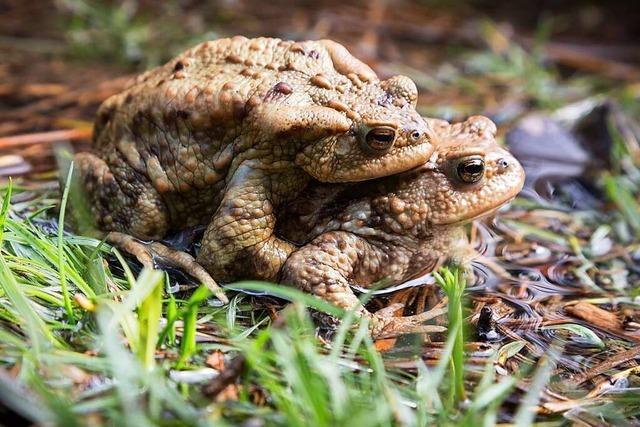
(231, 129)
(400, 226)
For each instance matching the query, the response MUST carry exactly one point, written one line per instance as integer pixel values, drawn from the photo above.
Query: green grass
(119, 349)
(123, 339)
(453, 284)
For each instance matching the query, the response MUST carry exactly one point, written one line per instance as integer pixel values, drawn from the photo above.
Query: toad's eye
(470, 170)
(415, 135)
(380, 138)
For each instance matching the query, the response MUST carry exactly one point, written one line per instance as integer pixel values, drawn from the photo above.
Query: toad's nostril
(503, 165)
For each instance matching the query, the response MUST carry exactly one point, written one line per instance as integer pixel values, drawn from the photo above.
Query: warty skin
(399, 227)
(231, 130)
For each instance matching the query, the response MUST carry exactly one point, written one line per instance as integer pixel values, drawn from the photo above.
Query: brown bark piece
(594, 315)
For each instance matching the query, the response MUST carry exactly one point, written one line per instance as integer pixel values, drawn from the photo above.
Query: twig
(80, 97)
(45, 137)
(226, 377)
(600, 318)
(610, 363)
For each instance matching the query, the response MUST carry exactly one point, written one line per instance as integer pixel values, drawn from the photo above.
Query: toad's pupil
(473, 169)
(382, 137)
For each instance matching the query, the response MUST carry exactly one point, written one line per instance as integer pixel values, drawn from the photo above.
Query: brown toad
(400, 226)
(230, 130)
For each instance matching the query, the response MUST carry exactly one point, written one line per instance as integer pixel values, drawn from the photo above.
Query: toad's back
(182, 124)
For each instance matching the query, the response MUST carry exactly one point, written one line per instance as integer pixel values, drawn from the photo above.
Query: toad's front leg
(330, 263)
(239, 242)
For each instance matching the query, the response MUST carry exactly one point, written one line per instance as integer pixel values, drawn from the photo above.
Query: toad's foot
(326, 266)
(384, 325)
(147, 252)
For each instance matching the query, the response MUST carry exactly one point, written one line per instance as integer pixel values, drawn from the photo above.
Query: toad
(228, 132)
(399, 227)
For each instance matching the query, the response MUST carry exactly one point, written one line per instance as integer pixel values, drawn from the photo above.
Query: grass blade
(290, 294)
(61, 255)
(37, 331)
(149, 314)
(189, 319)
(453, 283)
(526, 412)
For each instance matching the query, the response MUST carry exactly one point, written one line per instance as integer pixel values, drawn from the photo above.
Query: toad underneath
(398, 227)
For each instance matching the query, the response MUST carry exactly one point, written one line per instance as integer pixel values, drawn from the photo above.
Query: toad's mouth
(481, 213)
(490, 211)
(398, 161)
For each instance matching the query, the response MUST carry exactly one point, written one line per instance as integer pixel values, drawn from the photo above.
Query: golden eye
(380, 138)
(470, 170)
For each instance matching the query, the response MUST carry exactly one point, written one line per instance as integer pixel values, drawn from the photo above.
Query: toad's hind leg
(121, 198)
(128, 207)
(327, 266)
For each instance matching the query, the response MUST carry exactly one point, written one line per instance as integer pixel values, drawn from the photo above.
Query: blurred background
(60, 59)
